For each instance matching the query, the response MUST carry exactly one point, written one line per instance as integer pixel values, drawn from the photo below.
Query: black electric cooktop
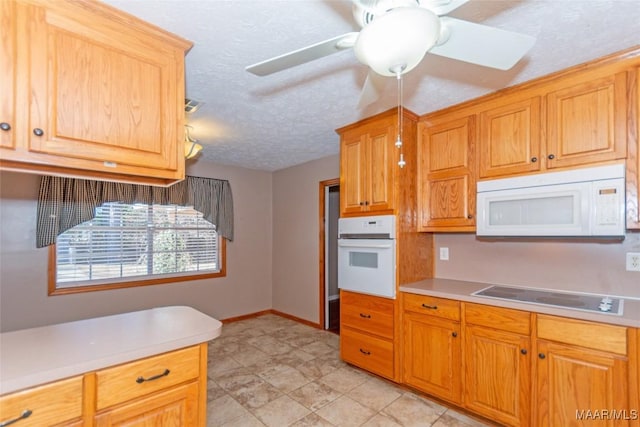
(586, 302)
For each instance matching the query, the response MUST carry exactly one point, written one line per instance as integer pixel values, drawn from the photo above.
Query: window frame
(53, 290)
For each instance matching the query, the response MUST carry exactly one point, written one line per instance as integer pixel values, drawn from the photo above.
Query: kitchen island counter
(462, 291)
(40, 355)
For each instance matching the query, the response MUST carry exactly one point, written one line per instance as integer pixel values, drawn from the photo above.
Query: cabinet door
(587, 122)
(633, 160)
(509, 140)
(176, 407)
(7, 73)
(379, 169)
(574, 386)
(497, 375)
(432, 355)
(102, 92)
(352, 155)
(446, 181)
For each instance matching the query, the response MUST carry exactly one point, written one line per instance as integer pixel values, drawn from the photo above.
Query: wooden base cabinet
(582, 374)
(169, 389)
(432, 346)
(497, 363)
(367, 333)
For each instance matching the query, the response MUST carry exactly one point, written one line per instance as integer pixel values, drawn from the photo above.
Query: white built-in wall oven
(367, 255)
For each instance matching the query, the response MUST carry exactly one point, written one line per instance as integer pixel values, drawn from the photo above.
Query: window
(136, 244)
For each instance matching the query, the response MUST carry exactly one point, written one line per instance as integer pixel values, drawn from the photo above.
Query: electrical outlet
(633, 261)
(444, 254)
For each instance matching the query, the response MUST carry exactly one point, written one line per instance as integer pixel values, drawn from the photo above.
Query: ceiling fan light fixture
(399, 38)
(191, 146)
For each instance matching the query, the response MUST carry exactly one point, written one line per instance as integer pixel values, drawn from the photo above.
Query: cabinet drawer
(370, 353)
(505, 319)
(135, 379)
(49, 404)
(367, 313)
(433, 306)
(597, 336)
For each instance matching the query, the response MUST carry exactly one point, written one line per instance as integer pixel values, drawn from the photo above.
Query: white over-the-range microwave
(575, 203)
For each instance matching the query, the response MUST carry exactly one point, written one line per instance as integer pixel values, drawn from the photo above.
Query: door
(329, 295)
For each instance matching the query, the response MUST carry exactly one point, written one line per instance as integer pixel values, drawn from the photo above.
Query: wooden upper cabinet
(7, 73)
(367, 161)
(103, 94)
(587, 122)
(509, 141)
(446, 176)
(633, 155)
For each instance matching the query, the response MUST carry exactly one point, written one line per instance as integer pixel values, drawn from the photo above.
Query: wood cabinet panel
(633, 153)
(367, 351)
(100, 94)
(7, 73)
(598, 336)
(509, 141)
(573, 381)
(177, 406)
(498, 374)
(368, 313)
(505, 319)
(432, 306)
(446, 176)
(122, 383)
(432, 355)
(58, 403)
(587, 122)
(351, 174)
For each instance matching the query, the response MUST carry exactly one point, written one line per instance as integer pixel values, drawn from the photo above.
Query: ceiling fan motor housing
(365, 11)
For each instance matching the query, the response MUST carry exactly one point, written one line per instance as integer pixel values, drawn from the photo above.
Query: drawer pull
(365, 316)
(140, 380)
(430, 307)
(365, 352)
(5, 126)
(26, 414)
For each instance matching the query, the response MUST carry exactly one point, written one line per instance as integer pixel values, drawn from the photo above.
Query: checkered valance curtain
(64, 203)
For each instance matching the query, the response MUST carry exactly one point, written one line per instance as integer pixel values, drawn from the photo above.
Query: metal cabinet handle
(38, 132)
(523, 351)
(365, 316)
(551, 157)
(430, 307)
(5, 126)
(541, 355)
(534, 159)
(25, 414)
(469, 216)
(454, 334)
(365, 352)
(140, 380)
(366, 203)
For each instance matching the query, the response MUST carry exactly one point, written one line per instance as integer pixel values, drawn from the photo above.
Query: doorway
(329, 294)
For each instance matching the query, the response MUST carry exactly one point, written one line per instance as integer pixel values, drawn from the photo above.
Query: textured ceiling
(288, 118)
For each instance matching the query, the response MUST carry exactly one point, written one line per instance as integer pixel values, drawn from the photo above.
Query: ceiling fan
(396, 35)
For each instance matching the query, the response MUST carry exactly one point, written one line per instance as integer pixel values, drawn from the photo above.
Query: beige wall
(295, 236)
(23, 268)
(571, 266)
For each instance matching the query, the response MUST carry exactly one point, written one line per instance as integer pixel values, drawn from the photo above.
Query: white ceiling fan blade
(481, 44)
(442, 7)
(372, 89)
(301, 56)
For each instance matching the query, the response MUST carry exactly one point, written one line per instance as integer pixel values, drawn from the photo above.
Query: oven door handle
(343, 244)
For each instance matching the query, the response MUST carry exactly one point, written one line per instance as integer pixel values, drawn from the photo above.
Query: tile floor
(273, 371)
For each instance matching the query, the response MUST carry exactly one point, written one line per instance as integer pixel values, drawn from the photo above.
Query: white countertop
(36, 356)
(462, 290)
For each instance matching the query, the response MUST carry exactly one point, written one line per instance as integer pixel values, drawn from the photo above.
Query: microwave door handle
(364, 245)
